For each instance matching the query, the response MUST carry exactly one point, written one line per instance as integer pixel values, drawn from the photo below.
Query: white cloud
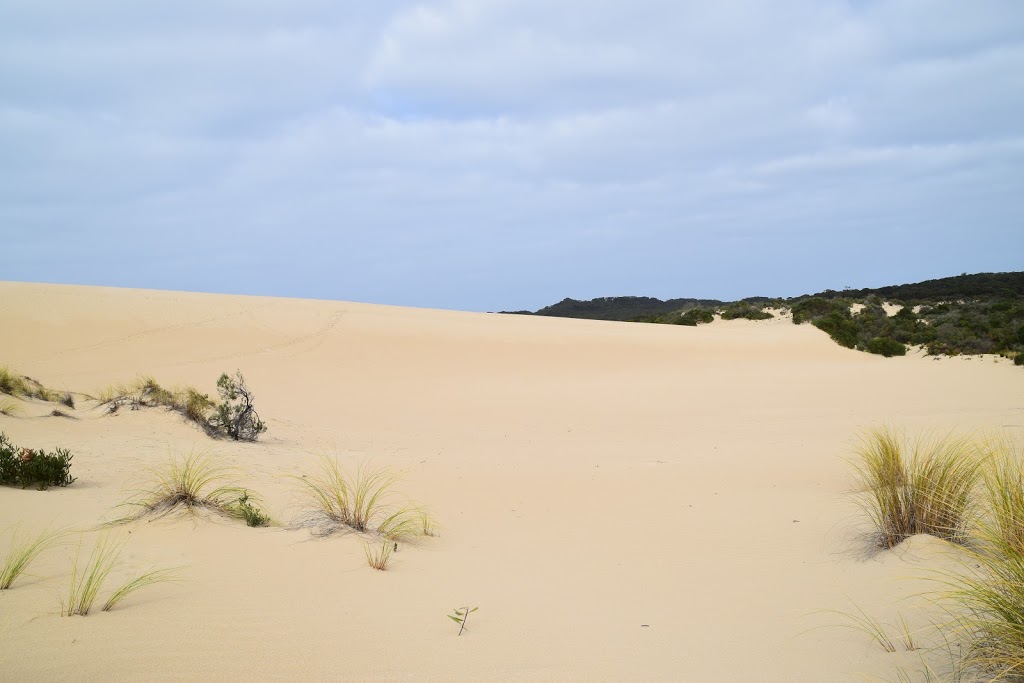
(443, 143)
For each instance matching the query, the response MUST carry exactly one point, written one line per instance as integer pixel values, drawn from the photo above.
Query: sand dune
(622, 501)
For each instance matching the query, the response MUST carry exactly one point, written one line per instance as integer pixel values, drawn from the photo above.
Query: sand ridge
(622, 501)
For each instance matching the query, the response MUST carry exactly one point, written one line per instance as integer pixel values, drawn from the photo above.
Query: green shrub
(1019, 359)
(695, 316)
(236, 416)
(818, 307)
(884, 346)
(25, 467)
(839, 326)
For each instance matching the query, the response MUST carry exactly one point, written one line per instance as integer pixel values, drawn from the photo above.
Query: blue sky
(488, 155)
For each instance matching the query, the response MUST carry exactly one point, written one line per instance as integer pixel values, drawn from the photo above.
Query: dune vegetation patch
(360, 502)
(22, 386)
(234, 417)
(971, 493)
(192, 483)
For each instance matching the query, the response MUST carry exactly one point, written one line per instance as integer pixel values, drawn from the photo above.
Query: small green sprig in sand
(460, 615)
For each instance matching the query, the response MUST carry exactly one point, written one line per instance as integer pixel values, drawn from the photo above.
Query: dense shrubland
(950, 328)
(965, 314)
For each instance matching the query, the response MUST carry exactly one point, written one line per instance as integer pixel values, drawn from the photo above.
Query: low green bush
(695, 316)
(25, 467)
(884, 346)
(818, 307)
(840, 326)
(746, 311)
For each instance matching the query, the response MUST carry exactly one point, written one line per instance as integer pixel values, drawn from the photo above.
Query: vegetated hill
(621, 307)
(966, 314)
(959, 287)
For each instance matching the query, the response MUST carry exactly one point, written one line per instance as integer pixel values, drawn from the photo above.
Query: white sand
(590, 478)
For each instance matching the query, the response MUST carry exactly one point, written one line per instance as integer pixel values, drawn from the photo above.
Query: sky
(505, 154)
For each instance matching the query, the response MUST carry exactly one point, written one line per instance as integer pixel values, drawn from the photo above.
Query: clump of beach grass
(378, 558)
(22, 386)
(191, 483)
(21, 554)
(360, 502)
(1003, 499)
(427, 525)
(990, 602)
(86, 583)
(989, 592)
(141, 581)
(10, 408)
(919, 487)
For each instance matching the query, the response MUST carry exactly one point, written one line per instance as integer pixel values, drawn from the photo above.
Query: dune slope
(621, 501)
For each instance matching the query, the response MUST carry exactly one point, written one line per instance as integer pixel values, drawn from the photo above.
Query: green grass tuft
(21, 555)
(990, 592)
(86, 584)
(921, 488)
(149, 578)
(21, 386)
(345, 500)
(378, 559)
(10, 408)
(360, 502)
(190, 483)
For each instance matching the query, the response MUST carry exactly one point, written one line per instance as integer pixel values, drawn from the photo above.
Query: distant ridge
(628, 308)
(620, 307)
(980, 285)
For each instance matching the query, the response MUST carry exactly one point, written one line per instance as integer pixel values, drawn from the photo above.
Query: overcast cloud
(500, 154)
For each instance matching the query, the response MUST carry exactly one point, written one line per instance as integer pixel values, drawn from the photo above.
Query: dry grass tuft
(919, 488)
(190, 483)
(22, 386)
(149, 578)
(360, 502)
(990, 594)
(378, 559)
(21, 555)
(10, 408)
(86, 584)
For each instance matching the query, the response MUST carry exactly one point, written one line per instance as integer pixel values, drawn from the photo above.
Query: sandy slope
(590, 478)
